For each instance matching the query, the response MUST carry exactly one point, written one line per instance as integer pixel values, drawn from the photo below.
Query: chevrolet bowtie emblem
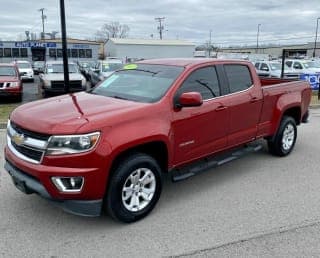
(18, 139)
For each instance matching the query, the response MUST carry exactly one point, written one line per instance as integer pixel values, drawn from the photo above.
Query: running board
(216, 161)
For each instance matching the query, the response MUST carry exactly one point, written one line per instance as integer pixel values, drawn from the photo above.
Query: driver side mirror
(189, 99)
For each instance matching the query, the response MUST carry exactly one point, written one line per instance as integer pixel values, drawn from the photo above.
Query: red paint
(189, 133)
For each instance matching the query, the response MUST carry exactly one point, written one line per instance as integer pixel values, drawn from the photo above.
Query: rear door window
(238, 76)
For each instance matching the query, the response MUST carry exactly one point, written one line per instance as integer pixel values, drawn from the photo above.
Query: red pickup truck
(107, 149)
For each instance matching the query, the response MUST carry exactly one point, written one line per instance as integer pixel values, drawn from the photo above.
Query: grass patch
(5, 110)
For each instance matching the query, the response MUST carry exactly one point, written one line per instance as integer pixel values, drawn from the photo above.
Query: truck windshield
(58, 68)
(139, 82)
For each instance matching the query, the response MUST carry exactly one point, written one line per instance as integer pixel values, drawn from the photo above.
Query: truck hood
(8, 79)
(60, 76)
(72, 113)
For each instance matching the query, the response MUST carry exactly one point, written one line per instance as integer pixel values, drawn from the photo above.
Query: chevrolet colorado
(107, 149)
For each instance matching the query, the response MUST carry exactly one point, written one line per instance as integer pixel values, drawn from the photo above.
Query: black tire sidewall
(114, 203)
(280, 151)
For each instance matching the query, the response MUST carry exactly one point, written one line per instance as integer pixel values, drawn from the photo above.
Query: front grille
(27, 145)
(38, 136)
(77, 85)
(28, 152)
(57, 84)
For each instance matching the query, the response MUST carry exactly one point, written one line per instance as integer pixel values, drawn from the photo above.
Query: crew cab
(107, 149)
(52, 80)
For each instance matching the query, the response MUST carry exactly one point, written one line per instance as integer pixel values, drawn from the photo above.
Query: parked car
(102, 69)
(25, 70)
(108, 148)
(38, 67)
(10, 81)
(273, 69)
(84, 67)
(303, 66)
(52, 80)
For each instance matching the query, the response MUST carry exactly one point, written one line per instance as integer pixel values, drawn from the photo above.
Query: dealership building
(48, 50)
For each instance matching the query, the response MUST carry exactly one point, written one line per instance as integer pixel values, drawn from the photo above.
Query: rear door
(199, 131)
(244, 102)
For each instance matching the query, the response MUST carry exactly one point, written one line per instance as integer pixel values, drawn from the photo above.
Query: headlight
(13, 84)
(46, 83)
(71, 144)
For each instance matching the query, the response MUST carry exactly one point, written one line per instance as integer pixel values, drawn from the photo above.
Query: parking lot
(259, 205)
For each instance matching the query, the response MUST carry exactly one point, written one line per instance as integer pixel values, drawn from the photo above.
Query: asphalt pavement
(259, 205)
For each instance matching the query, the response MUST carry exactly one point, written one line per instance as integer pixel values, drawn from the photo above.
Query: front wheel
(134, 188)
(282, 143)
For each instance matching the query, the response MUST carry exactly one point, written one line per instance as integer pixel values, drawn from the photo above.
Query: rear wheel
(282, 143)
(134, 188)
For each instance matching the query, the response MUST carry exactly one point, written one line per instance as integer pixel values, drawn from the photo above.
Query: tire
(128, 198)
(282, 143)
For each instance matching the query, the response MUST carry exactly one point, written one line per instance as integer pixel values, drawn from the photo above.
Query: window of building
(204, 81)
(69, 52)
(15, 52)
(7, 52)
(239, 77)
(53, 52)
(82, 53)
(23, 52)
(74, 53)
(1, 52)
(59, 52)
(88, 53)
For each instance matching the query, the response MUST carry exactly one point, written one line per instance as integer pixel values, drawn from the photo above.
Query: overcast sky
(232, 22)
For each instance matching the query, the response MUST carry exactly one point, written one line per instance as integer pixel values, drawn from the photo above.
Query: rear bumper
(29, 185)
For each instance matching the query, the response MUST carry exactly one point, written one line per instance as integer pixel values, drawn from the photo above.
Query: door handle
(220, 108)
(254, 99)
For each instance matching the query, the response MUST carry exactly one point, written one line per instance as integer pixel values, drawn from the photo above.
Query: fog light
(68, 184)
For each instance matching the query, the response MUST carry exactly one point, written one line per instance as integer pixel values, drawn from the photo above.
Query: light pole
(43, 17)
(258, 37)
(315, 40)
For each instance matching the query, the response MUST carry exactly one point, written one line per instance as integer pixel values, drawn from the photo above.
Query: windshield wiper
(205, 84)
(117, 97)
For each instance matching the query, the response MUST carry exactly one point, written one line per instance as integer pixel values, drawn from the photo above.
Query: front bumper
(29, 185)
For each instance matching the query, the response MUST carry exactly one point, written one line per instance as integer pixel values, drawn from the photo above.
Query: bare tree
(112, 30)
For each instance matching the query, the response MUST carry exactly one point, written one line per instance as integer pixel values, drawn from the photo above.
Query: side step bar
(207, 163)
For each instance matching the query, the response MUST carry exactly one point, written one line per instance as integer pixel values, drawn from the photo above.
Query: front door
(199, 131)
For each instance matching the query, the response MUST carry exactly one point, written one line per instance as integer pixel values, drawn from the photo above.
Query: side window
(238, 76)
(204, 81)
(257, 65)
(297, 65)
(289, 63)
(264, 67)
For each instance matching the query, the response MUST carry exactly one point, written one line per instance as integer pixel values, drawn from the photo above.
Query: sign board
(313, 79)
(35, 44)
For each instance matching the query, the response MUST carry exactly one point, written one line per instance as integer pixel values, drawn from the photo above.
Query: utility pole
(160, 27)
(42, 18)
